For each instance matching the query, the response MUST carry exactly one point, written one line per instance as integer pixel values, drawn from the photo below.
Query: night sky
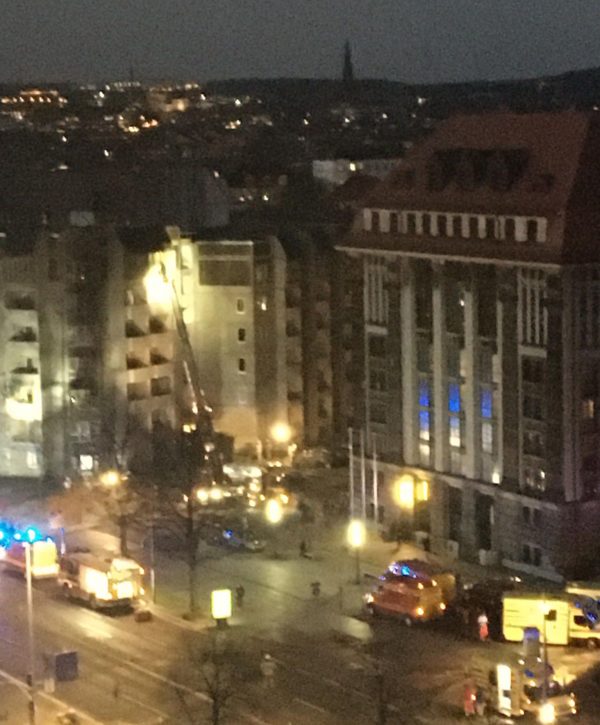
(410, 40)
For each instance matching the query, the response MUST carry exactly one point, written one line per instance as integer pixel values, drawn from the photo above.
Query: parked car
(242, 541)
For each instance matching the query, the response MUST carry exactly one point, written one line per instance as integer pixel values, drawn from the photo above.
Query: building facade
(481, 273)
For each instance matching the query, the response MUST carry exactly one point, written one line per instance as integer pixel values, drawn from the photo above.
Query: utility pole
(31, 674)
(363, 477)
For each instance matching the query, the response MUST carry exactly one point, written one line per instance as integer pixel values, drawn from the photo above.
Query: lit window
(239, 305)
(486, 403)
(424, 425)
(32, 461)
(454, 398)
(454, 430)
(487, 437)
(263, 304)
(424, 393)
(242, 365)
(86, 463)
(587, 409)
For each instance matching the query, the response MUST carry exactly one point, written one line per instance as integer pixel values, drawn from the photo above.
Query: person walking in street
(303, 549)
(483, 625)
(267, 670)
(469, 697)
(480, 701)
(240, 592)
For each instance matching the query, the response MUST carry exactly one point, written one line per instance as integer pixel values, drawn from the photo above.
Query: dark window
(242, 334)
(426, 223)
(442, 221)
(376, 346)
(490, 227)
(411, 224)
(239, 305)
(590, 463)
(526, 514)
(394, 226)
(532, 407)
(375, 221)
(509, 229)
(378, 380)
(225, 272)
(242, 365)
(473, 227)
(533, 443)
(531, 230)
(532, 369)
(457, 226)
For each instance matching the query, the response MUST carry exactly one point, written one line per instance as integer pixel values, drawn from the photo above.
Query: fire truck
(102, 583)
(408, 592)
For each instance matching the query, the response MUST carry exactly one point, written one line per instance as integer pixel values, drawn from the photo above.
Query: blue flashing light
(32, 534)
(18, 536)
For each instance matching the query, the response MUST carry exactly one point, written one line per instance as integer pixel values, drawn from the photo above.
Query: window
(242, 365)
(424, 393)
(375, 221)
(532, 230)
(532, 407)
(532, 555)
(490, 227)
(474, 227)
(486, 403)
(376, 346)
(454, 398)
(509, 229)
(32, 461)
(533, 443)
(394, 226)
(424, 425)
(442, 224)
(457, 226)
(532, 369)
(587, 408)
(426, 223)
(242, 334)
(411, 223)
(86, 463)
(378, 380)
(487, 437)
(454, 431)
(239, 305)
(535, 479)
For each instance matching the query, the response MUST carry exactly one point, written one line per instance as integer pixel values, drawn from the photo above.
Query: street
(326, 660)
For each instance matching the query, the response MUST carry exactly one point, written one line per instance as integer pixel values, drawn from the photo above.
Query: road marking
(160, 713)
(311, 705)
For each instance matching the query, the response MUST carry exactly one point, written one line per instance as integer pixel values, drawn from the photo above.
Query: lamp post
(30, 632)
(356, 540)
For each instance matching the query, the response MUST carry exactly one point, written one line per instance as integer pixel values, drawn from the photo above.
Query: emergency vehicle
(13, 552)
(103, 583)
(404, 592)
(564, 618)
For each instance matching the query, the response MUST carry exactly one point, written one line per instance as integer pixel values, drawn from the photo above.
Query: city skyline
(422, 42)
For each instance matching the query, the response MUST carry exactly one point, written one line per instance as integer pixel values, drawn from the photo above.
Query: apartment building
(238, 334)
(91, 353)
(481, 279)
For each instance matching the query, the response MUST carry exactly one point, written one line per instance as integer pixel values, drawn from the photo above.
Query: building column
(471, 386)
(440, 376)
(438, 508)
(408, 352)
(570, 385)
(468, 537)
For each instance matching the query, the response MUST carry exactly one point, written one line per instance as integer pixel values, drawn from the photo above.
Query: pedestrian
(239, 595)
(267, 669)
(483, 625)
(303, 549)
(480, 701)
(469, 699)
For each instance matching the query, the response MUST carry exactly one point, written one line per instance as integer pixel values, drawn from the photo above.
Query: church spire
(348, 70)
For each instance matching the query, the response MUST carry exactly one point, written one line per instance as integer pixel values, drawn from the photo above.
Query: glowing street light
(158, 289)
(110, 478)
(356, 539)
(281, 432)
(274, 511)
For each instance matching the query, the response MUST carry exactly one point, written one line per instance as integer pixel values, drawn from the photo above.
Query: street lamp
(30, 677)
(356, 539)
(273, 511)
(110, 478)
(281, 432)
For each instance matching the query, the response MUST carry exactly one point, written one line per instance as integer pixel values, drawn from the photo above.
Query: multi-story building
(481, 269)
(91, 353)
(238, 335)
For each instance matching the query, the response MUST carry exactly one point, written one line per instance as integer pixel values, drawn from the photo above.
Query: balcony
(134, 363)
(133, 330)
(157, 325)
(28, 369)
(157, 358)
(18, 301)
(137, 391)
(25, 334)
(161, 386)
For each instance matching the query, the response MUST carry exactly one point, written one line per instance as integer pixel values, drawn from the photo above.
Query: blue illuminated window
(454, 398)
(424, 425)
(424, 394)
(486, 403)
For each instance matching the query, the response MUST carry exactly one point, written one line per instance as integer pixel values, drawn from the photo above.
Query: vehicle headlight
(547, 714)
(420, 611)
(572, 702)
(369, 598)
(443, 607)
